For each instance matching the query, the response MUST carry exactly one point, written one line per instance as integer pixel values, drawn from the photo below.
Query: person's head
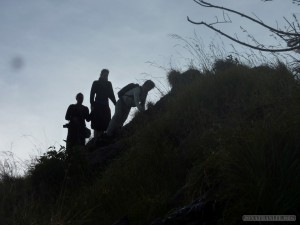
(79, 98)
(104, 74)
(148, 85)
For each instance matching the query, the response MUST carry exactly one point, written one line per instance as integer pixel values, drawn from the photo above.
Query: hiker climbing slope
(134, 97)
(101, 91)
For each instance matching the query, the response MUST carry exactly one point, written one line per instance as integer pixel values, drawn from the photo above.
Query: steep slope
(232, 132)
(223, 143)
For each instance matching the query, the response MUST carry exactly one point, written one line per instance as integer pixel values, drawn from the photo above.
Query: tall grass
(232, 130)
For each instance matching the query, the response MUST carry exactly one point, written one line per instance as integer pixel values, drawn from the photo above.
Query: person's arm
(143, 100)
(87, 116)
(69, 113)
(111, 94)
(92, 94)
(137, 99)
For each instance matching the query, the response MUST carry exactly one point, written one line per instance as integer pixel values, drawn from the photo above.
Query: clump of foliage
(48, 172)
(13, 188)
(225, 64)
(59, 169)
(177, 79)
(40, 195)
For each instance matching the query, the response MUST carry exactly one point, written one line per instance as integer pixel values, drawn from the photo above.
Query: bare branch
(291, 35)
(243, 43)
(209, 5)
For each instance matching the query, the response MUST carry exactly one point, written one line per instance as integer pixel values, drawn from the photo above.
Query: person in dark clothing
(101, 91)
(77, 114)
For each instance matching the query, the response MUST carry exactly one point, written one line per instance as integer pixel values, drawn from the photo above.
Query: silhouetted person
(136, 97)
(77, 114)
(101, 91)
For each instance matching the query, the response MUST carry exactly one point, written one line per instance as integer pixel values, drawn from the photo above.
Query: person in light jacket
(135, 97)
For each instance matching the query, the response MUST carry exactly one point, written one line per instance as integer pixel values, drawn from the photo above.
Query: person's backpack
(128, 87)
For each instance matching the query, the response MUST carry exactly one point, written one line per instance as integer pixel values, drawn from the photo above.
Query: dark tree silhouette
(291, 34)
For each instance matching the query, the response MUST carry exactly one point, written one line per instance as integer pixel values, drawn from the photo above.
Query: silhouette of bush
(173, 78)
(48, 172)
(177, 79)
(57, 170)
(220, 65)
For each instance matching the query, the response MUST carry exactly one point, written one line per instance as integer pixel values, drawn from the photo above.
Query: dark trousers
(75, 137)
(100, 117)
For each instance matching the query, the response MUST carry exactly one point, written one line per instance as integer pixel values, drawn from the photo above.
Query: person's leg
(106, 117)
(118, 117)
(122, 120)
(125, 114)
(71, 140)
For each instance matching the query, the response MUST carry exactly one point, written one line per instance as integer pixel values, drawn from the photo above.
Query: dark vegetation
(230, 134)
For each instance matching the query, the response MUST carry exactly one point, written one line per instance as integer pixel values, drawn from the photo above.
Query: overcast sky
(52, 49)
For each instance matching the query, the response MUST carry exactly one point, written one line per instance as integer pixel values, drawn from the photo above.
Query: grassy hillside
(233, 131)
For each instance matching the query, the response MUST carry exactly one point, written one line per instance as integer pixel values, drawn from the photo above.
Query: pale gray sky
(52, 49)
